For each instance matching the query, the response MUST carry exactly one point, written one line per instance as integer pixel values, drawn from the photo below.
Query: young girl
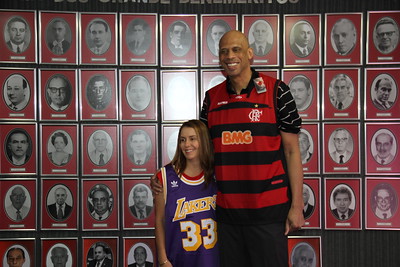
(185, 210)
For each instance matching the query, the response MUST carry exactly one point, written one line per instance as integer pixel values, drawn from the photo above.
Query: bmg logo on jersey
(236, 137)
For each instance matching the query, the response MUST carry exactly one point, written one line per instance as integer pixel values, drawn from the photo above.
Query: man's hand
(155, 185)
(295, 220)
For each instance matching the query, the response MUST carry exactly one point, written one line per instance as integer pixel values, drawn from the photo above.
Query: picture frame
(17, 216)
(382, 196)
(347, 193)
(98, 94)
(138, 98)
(274, 73)
(170, 134)
(144, 22)
(378, 53)
(293, 24)
(209, 79)
(58, 106)
(27, 52)
(58, 35)
(339, 103)
(130, 244)
(99, 47)
(179, 84)
(312, 214)
(139, 149)
(104, 192)
(27, 245)
(344, 38)
(59, 149)
(133, 187)
(69, 246)
(349, 134)
(179, 40)
(299, 243)
(309, 147)
(97, 140)
(65, 192)
(268, 55)
(304, 86)
(381, 94)
(18, 101)
(19, 148)
(217, 24)
(110, 243)
(382, 148)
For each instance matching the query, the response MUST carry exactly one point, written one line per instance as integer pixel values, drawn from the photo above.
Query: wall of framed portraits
(93, 94)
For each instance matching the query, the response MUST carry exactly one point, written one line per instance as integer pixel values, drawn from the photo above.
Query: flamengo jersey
(190, 225)
(250, 165)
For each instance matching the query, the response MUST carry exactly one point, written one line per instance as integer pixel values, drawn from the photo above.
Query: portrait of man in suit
(102, 256)
(139, 147)
(385, 151)
(138, 36)
(214, 33)
(138, 93)
(58, 92)
(99, 92)
(382, 91)
(341, 91)
(342, 199)
(60, 210)
(100, 202)
(19, 147)
(302, 39)
(305, 146)
(179, 38)
(140, 256)
(343, 36)
(57, 33)
(308, 207)
(17, 36)
(140, 196)
(384, 201)
(18, 210)
(262, 32)
(386, 35)
(302, 92)
(99, 36)
(102, 152)
(342, 144)
(16, 92)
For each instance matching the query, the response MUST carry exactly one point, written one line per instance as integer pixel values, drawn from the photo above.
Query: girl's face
(189, 143)
(59, 143)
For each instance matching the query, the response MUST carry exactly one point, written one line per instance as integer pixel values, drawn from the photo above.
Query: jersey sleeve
(159, 177)
(288, 117)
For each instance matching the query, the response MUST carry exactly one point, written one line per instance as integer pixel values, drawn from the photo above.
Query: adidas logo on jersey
(174, 184)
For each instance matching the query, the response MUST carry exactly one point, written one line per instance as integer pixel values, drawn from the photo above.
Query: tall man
(17, 29)
(250, 135)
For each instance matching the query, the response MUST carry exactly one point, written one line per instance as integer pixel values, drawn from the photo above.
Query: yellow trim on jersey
(164, 182)
(192, 182)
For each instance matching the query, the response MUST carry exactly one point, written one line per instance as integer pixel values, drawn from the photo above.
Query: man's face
(306, 195)
(383, 200)
(57, 91)
(59, 31)
(17, 198)
(138, 143)
(15, 90)
(383, 145)
(304, 143)
(260, 33)
(138, 32)
(216, 33)
(342, 202)
(99, 90)
(305, 259)
(140, 199)
(15, 258)
(59, 258)
(300, 93)
(176, 35)
(344, 37)
(60, 195)
(100, 202)
(303, 34)
(340, 140)
(341, 90)
(140, 255)
(98, 34)
(17, 32)
(385, 33)
(18, 145)
(100, 141)
(384, 90)
(99, 253)
(139, 92)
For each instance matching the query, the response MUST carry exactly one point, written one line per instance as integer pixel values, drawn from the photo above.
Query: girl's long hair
(206, 153)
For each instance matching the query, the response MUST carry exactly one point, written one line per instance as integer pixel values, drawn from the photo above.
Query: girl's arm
(159, 203)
